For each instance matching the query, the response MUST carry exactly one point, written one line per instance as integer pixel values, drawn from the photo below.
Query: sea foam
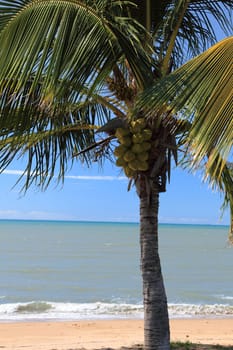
(86, 311)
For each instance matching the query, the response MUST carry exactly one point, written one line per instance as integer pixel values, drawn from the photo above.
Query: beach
(93, 334)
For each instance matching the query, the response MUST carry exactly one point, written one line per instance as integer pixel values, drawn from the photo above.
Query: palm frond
(203, 90)
(46, 152)
(196, 31)
(54, 60)
(67, 40)
(48, 140)
(220, 178)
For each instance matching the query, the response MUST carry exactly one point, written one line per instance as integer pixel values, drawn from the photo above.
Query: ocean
(57, 270)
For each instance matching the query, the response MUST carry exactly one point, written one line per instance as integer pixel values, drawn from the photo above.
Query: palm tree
(83, 80)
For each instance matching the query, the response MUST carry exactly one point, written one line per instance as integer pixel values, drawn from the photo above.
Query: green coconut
(120, 162)
(126, 141)
(134, 164)
(143, 156)
(137, 148)
(129, 155)
(138, 138)
(120, 150)
(121, 132)
(144, 166)
(146, 146)
(129, 172)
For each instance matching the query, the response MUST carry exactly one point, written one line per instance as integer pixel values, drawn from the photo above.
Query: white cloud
(74, 177)
(12, 172)
(41, 215)
(98, 178)
(32, 215)
(190, 220)
(8, 214)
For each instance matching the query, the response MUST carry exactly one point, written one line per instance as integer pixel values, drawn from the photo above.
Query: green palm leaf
(193, 30)
(67, 40)
(224, 184)
(54, 59)
(46, 151)
(203, 90)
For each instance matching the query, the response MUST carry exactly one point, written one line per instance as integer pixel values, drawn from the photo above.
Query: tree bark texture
(156, 321)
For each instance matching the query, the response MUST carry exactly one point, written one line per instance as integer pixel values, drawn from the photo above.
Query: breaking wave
(80, 311)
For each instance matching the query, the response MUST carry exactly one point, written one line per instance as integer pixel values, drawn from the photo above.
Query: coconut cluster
(132, 154)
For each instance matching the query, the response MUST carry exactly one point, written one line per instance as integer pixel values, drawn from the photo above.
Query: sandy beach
(107, 333)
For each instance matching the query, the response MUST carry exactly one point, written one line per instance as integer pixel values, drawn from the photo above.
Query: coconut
(126, 141)
(121, 132)
(146, 146)
(143, 156)
(120, 150)
(138, 138)
(137, 148)
(134, 164)
(144, 166)
(129, 155)
(129, 172)
(120, 162)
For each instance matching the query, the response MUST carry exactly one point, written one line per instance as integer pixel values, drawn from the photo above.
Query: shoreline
(103, 334)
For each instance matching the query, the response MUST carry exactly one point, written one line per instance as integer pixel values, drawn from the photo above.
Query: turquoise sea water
(86, 270)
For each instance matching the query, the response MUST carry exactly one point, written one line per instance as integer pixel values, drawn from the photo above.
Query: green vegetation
(193, 346)
(184, 346)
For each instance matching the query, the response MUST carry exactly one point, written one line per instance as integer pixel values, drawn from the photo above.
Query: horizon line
(113, 222)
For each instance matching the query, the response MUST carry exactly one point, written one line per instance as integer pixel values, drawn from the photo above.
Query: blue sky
(101, 195)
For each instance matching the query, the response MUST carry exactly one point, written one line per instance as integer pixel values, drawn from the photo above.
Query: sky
(101, 195)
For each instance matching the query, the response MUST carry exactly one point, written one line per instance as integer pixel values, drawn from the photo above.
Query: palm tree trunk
(156, 322)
